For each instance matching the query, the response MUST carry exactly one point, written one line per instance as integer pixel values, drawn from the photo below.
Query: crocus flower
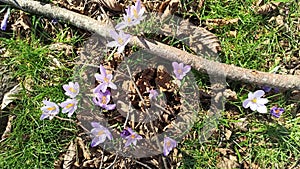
(128, 20)
(137, 12)
(125, 133)
(132, 138)
(276, 112)
(72, 89)
(69, 106)
(49, 110)
(153, 94)
(100, 134)
(120, 40)
(169, 144)
(255, 102)
(180, 70)
(104, 80)
(4, 21)
(102, 100)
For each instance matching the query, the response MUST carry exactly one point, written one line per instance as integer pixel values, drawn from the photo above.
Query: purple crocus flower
(180, 70)
(128, 20)
(125, 133)
(120, 40)
(49, 110)
(132, 138)
(169, 144)
(153, 94)
(267, 88)
(102, 100)
(104, 80)
(255, 102)
(69, 106)
(276, 112)
(100, 134)
(138, 11)
(72, 89)
(5, 19)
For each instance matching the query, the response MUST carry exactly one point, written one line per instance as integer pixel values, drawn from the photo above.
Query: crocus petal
(43, 116)
(96, 125)
(121, 49)
(259, 93)
(110, 106)
(253, 106)
(262, 109)
(246, 103)
(114, 34)
(102, 71)
(112, 44)
(120, 26)
(186, 68)
(128, 142)
(95, 142)
(262, 101)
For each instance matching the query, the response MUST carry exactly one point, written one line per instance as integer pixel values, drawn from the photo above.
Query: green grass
(268, 142)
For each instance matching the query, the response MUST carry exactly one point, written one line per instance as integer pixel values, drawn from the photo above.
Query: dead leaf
(8, 128)
(23, 21)
(221, 22)
(86, 153)
(241, 124)
(268, 8)
(70, 156)
(228, 163)
(230, 94)
(228, 134)
(10, 96)
(171, 8)
(201, 3)
(112, 4)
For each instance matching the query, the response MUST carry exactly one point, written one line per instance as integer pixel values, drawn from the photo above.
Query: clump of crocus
(180, 70)
(133, 16)
(50, 110)
(169, 144)
(137, 12)
(104, 80)
(255, 102)
(100, 133)
(72, 89)
(102, 100)
(5, 19)
(131, 138)
(69, 106)
(120, 40)
(276, 111)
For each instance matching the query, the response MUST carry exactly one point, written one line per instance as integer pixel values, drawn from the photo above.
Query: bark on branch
(160, 49)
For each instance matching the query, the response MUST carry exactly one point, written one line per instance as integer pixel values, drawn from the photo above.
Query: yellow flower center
(103, 100)
(100, 133)
(128, 19)
(51, 108)
(277, 111)
(179, 71)
(106, 79)
(72, 90)
(254, 100)
(120, 40)
(168, 143)
(132, 136)
(69, 105)
(135, 14)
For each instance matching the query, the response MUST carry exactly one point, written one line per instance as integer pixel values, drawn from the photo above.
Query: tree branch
(160, 49)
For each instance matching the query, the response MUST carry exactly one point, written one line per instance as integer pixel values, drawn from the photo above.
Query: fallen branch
(160, 49)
